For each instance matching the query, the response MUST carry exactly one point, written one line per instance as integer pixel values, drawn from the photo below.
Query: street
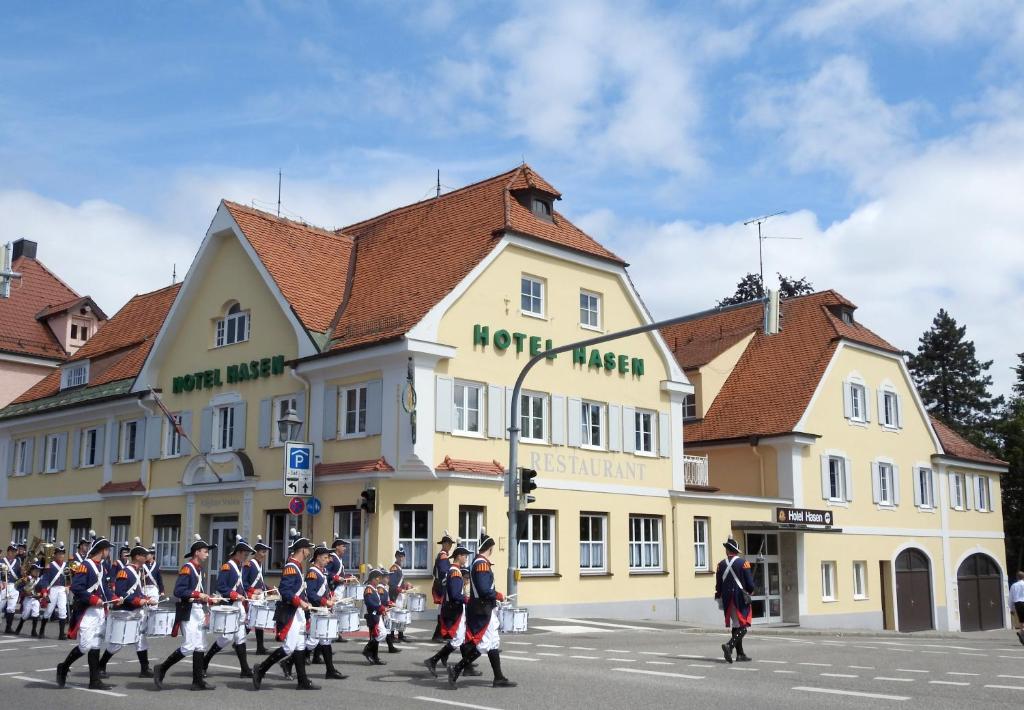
(572, 663)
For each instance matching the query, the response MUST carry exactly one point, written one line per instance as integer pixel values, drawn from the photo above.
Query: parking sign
(298, 469)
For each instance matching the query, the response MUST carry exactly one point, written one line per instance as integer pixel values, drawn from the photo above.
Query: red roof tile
(341, 467)
(129, 487)
(466, 466)
(70, 304)
(20, 331)
(957, 447)
(526, 178)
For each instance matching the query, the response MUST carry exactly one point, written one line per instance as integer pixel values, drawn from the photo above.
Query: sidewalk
(789, 630)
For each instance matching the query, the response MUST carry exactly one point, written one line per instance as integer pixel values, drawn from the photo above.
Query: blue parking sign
(298, 469)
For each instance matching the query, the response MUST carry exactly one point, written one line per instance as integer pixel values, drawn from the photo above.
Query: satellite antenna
(761, 237)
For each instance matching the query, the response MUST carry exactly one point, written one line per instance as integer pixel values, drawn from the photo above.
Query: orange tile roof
(957, 447)
(775, 377)
(21, 332)
(68, 305)
(380, 465)
(466, 466)
(527, 178)
(129, 487)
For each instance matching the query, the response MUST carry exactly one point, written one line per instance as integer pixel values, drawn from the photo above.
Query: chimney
(771, 313)
(24, 247)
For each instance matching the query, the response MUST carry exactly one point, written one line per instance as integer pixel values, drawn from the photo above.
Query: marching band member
(190, 616)
(231, 588)
(82, 550)
(152, 580)
(52, 583)
(128, 588)
(319, 595)
(375, 604)
(733, 583)
(30, 597)
(441, 565)
(388, 604)
(482, 618)
(291, 617)
(89, 614)
(396, 586)
(452, 617)
(336, 570)
(255, 585)
(12, 564)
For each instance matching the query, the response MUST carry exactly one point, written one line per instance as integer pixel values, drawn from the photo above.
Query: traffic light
(526, 484)
(368, 500)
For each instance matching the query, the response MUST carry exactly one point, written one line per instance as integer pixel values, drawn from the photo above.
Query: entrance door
(222, 534)
(981, 594)
(762, 552)
(913, 591)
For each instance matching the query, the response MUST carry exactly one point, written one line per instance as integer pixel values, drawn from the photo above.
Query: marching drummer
(375, 603)
(231, 588)
(129, 589)
(396, 586)
(88, 614)
(52, 583)
(152, 580)
(82, 549)
(30, 597)
(319, 595)
(190, 615)
(255, 585)
(291, 617)
(452, 616)
(12, 571)
(336, 569)
(440, 574)
(482, 617)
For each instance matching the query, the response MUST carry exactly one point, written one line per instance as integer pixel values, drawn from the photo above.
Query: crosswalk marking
(854, 693)
(663, 674)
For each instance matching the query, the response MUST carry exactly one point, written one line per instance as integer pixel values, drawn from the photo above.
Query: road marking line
(1015, 677)
(582, 648)
(510, 650)
(948, 682)
(445, 701)
(621, 660)
(972, 654)
(659, 663)
(1016, 658)
(71, 685)
(653, 653)
(863, 668)
(616, 650)
(1006, 687)
(44, 670)
(822, 665)
(911, 670)
(33, 648)
(14, 641)
(790, 672)
(700, 665)
(688, 655)
(960, 673)
(741, 668)
(663, 674)
(937, 653)
(631, 627)
(519, 643)
(548, 645)
(839, 675)
(11, 673)
(221, 665)
(521, 658)
(868, 648)
(555, 655)
(854, 693)
(586, 658)
(896, 680)
(764, 660)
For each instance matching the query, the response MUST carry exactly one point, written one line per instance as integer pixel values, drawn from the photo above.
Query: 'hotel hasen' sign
(593, 359)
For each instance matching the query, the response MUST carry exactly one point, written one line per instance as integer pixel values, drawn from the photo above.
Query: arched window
(233, 327)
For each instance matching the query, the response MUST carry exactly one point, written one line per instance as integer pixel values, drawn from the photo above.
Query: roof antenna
(279, 192)
(438, 194)
(7, 274)
(174, 274)
(761, 237)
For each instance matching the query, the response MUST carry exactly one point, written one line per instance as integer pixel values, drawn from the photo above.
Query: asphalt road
(570, 664)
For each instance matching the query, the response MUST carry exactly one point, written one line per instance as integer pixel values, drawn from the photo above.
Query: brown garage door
(913, 591)
(981, 594)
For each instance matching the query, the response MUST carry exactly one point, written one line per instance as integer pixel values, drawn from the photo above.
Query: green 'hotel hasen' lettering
(242, 372)
(595, 359)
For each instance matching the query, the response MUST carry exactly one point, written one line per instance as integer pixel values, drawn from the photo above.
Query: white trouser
(30, 608)
(491, 640)
(238, 636)
(191, 630)
(295, 639)
(12, 599)
(90, 630)
(460, 633)
(58, 603)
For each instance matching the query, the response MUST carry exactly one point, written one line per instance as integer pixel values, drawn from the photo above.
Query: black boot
(9, 618)
(470, 653)
(21, 625)
(370, 653)
(62, 625)
(332, 672)
(208, 656)
(144, 671)
(197, 673)
(402, 638)
(500, 681)
(261, 650)
(42, 628)
(107, 655)
(161, 670)
(740, 655)
(286, 668)
(94, 672)
(300, 670)
(35, 624)
(391, 644)
(439, 657)
(317, 655)
(265, 665)
(63, 668)
(728, 646)
(243, 661)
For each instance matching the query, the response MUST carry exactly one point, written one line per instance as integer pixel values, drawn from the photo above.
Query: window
(925, 489)
(74, 331)
(167, 535)
(828, 581)
(467, 408)
(532, 296)
(119, 528)
(590, 310)
(531, 419)
(131, 447)
(536, 547)
(701, 561)
(52, 453)
(414, 536)
(79, 330)
(644, 432)
(280, 408)
(233, 327)
(836, 478)
(982, 494)
(590, 421)
(224, 428)
(172, 444)
(541, 208)
(471, 522)
(858, 402)
(79, 531)
(886, 484)
(90, 453)
(593, 539)
(48, 531)
(890, 410)
(956, 491)
(23, 457)
(75, 375)
(19, 533)
(349, 524)
(690, 406)
(860, 580)
(644, 543)
(353, 407)
(279, 522)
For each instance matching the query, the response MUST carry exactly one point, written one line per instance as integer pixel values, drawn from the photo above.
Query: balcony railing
(695, 470)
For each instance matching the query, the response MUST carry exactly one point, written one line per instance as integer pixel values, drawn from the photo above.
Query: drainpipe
(144, 469)
(309, 405)
(675, 556)
(754, 441)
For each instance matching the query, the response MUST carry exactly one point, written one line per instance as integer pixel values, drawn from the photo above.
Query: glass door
(762, 552)
(222, 534)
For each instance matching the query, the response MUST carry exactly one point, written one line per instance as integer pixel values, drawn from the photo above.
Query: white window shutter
(443, 404)
(495, 411)
(76, 448)
(881, 405)
(628, 430)
(847, 403)
(62, 451)
(867, 406)
(988, 491)
(558, 420)
(918, 493)
(574, 421)
(848, 479)
(101, 443)
(206, 430)
(614, 427)
(895, 484)
(374, 404)
(330, 413)
(11, 446)
(952, 490)
(899, 411)
(876, 486)
(186, 426)
(968, 492)
(664, 435)
(266, 422)
(240, 427)
(40, 464)
(826, 488)
(154, 430)
(933, 502)
(29, 461)
(113, 439)
(508, 411)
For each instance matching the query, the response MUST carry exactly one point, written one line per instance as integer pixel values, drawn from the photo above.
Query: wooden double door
(913, 591)
(980, 586)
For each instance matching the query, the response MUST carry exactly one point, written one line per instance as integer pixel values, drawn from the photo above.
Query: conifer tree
(1011, 434)
(750, 288)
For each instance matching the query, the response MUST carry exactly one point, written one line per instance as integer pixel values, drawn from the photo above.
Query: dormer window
(541, 207)
(79, 330)
(233, 327)
(74, 375)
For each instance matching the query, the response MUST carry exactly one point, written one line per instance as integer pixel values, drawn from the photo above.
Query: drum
(513, 621)
(323, 626)
(151, 591)
(400, 617)
(348, 618)
(159, 622)
(415, 602)
(224, 620)
(123, 627)
(261, 615)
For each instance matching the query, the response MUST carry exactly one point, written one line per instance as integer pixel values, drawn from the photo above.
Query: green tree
(750, 288)
(1010, 431)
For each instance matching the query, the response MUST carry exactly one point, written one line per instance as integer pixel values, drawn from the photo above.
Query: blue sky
(889, 130)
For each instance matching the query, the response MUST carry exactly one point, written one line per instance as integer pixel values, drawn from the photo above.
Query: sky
(890, 132)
